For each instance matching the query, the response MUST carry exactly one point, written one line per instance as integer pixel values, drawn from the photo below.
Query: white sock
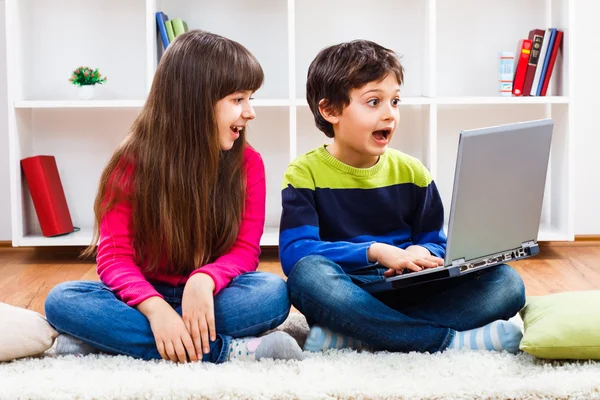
(499, 335)
(276, 345)
(70, 345)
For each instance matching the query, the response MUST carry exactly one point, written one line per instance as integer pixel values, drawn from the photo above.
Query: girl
(179, 215)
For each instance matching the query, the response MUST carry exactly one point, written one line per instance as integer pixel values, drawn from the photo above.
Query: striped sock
(321, 338)
(498, 335)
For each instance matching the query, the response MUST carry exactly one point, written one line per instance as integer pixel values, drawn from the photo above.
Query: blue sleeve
(428, 222)
(299, 230)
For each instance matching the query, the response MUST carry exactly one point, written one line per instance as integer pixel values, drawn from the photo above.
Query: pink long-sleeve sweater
(118, 270)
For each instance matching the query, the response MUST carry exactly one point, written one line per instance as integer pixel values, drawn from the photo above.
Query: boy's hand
(398, 260)
(198, 311)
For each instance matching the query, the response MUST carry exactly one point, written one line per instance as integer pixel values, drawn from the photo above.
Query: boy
(356, 211)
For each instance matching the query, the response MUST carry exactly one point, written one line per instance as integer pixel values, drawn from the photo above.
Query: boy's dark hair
(338, 69)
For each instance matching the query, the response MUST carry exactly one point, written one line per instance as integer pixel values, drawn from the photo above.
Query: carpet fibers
(335, 374)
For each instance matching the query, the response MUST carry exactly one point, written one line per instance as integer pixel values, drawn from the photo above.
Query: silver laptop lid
(498, 188)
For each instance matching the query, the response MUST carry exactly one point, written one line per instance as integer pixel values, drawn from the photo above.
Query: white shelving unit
(449, 50)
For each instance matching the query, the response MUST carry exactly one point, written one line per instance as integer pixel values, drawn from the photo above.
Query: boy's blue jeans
(421, 318)
(252, 304)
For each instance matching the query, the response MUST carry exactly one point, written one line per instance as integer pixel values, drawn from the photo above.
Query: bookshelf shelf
(450, 85)
(546, 234)
(84, 237)
(122, 103)
(81, 238)
(477, 100)
(79, 104)
(551, 233)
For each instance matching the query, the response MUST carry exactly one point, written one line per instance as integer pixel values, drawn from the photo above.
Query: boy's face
(365, 127)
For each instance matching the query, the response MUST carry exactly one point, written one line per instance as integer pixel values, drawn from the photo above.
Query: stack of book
(534, 61)
(169, 29)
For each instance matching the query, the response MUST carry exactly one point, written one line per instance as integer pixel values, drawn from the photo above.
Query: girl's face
(233, 113)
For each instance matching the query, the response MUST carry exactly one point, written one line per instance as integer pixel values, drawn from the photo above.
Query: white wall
(5, 230)
(586, 125)
(585, 98)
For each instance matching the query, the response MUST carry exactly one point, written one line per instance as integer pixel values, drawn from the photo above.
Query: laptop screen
(498, 190)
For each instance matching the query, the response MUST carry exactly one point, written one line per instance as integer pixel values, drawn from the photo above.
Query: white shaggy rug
(336, 374)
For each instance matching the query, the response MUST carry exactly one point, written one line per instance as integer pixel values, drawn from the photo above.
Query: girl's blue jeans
(252, 304)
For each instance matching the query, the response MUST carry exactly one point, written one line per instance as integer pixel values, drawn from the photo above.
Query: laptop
(499, 183)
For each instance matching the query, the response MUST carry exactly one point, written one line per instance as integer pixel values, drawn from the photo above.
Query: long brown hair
(187, 195)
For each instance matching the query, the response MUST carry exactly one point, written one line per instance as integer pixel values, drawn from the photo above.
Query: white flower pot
(87, 92)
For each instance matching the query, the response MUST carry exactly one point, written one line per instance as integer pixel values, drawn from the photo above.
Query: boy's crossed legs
(452, 313)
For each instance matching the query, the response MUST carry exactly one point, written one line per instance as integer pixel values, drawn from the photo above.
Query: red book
(537, 38)
(47, 194)
(521, 61)
(555, 48)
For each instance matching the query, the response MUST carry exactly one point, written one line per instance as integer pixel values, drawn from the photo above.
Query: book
(161, 18)
(179, 26)
(521, 61)
(169, 28)
(546, 61)
(43, 180)
(537, 38)
(506, 72)
(553, 55)
(541, 58)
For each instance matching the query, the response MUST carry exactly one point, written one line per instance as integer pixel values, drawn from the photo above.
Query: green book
(179, 26)
(170, 33)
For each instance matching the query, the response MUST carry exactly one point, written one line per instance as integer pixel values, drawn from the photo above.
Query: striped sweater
(337, 211)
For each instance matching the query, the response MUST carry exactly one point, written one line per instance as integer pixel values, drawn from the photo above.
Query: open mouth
(382, 135)
(236, 129)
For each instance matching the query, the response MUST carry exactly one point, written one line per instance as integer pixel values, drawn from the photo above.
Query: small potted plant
(86, 78)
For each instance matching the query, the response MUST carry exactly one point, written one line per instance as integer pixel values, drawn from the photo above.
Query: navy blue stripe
(348, 213)
(299, 208)
(429, 215)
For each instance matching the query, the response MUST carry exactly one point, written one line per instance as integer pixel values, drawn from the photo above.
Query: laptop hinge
(458, 261)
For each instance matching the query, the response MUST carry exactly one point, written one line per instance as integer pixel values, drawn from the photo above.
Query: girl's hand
(397, 260)
(198, 311)
(171, 337)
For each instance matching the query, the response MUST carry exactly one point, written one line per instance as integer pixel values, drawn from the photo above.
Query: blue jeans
(421, 318)
(251, 305)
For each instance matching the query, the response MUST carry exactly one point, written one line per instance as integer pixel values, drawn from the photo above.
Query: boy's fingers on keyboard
(438, 260)
(425, 263)
(435, 260)
(390, 272)
(411, 266)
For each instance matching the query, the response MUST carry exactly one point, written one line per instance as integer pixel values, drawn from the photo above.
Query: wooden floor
(28, 274)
